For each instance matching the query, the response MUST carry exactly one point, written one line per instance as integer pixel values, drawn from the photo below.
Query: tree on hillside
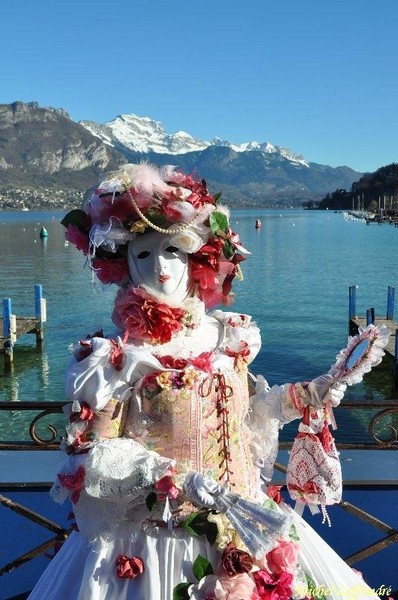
(372, 190)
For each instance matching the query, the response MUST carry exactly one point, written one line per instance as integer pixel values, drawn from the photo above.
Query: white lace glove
(324, 389)
(201, 490)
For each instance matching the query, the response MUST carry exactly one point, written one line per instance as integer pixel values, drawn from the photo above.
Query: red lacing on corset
(223, 392)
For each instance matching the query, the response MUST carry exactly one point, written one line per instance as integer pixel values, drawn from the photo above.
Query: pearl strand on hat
(156, 227)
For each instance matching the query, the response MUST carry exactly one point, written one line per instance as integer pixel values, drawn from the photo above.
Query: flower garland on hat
(142, 197)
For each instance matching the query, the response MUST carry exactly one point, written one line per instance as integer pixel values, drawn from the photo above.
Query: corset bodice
(186, 423)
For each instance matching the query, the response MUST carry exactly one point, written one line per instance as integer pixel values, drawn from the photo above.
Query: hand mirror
(363, 352)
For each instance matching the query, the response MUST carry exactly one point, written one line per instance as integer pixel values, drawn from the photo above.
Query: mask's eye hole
(171, 249)
(143, 254)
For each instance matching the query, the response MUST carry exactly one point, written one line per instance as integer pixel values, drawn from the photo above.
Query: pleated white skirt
(81, 571)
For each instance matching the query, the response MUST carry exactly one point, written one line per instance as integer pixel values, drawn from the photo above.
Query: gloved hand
(324, 389)
(202, 490)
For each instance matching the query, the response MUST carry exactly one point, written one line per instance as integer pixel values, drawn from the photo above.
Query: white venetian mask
(162, 267)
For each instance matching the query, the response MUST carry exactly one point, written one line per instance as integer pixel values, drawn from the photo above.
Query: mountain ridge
(43, 146)
(143, 134)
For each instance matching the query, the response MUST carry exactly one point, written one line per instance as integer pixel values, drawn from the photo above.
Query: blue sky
(319, 77)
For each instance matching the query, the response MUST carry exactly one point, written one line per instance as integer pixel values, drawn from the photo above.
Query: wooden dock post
(352, 309)
(8, 343)
(355, 322)
(370, 316)
(390, 303)
(13, 327)
(39, 315)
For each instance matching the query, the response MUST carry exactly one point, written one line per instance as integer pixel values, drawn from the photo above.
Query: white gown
(110, 505)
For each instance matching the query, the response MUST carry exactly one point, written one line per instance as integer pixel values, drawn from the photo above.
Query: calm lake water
(296, 287)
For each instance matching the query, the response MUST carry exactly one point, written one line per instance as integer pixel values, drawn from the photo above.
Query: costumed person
(171, 442)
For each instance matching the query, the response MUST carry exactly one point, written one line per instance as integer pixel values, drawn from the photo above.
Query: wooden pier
(13, 327)
(354, 322)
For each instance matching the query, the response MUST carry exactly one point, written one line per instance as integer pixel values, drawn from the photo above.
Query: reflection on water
(296, 287)
(30, 365)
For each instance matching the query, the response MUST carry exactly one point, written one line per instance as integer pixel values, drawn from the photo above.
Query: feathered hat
(142, 197)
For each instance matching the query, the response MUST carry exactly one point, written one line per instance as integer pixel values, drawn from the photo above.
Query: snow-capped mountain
(44, 147)
(142, 134)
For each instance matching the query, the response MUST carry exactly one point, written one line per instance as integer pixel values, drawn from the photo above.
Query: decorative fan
(363, 352)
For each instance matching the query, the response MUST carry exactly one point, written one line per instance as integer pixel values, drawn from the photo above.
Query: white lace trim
(122, 467)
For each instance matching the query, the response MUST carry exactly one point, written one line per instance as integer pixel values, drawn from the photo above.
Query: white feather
(146, 178)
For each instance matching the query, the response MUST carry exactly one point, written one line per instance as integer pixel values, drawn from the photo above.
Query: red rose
(78, 238)
(210, 253)
(121, 206)
(203, 361)
(128, 568)
(112, 270)
(236, 561)
(170, 362)
(116, 355)
(73, 482)
(274, 492)
(167, 487)
(203, 275)
(86, 412)
(144, 317)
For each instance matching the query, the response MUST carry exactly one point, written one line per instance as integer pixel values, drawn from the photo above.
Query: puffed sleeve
(241, 340)
(99, 376)
(98, 384)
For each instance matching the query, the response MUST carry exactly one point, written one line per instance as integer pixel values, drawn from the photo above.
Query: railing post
(390, 303)
(8, 344)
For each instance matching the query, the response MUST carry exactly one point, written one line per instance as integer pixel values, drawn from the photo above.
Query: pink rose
(273, 586)
(112, 270)
(215, 587)
(283, 557)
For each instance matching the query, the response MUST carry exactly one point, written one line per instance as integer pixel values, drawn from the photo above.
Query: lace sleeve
(109, 484)
(271, 408)
(281, 402)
